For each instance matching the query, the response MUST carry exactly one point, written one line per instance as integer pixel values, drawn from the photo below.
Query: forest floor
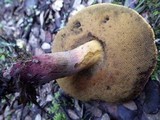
(28, 27)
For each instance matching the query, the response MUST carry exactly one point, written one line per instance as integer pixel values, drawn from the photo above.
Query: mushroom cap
(129, 53)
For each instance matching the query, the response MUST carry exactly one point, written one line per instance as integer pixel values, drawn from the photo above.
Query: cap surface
(129, 53)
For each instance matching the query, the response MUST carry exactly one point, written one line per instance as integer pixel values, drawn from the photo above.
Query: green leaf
(141, 2)
(2, 58)
(156, 12)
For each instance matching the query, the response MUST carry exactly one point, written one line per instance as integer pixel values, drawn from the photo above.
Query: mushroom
(105, 52)
(129, 53)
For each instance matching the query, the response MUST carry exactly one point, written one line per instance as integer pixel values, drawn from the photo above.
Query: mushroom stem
(44, 68)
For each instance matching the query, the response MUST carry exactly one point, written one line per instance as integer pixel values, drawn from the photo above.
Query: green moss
(56, 108)
(60, 116)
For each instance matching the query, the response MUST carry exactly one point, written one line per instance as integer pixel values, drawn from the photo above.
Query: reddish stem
(44, 68)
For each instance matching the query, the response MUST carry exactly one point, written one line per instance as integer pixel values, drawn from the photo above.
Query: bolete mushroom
(105, 52)
(129, 53)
